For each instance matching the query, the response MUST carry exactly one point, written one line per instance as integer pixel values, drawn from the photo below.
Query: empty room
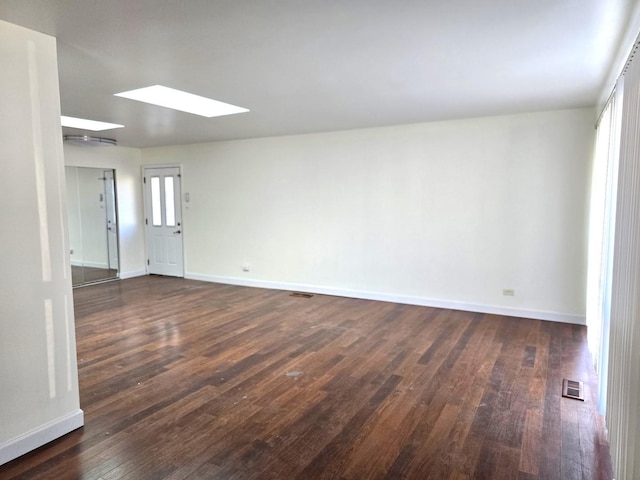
(320, 240)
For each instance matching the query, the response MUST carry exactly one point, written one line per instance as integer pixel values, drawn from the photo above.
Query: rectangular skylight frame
(162, 96)
(84, 124)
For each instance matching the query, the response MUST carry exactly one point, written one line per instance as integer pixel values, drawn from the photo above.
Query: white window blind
(601, 232)
(623, 390)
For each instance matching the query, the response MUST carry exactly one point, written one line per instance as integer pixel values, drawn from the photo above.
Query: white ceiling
(320, 65)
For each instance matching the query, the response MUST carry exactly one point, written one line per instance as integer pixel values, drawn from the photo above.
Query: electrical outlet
(246, 267)
(509, 292)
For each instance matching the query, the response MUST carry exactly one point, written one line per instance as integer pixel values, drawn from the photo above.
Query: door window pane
(156, 211)
(169, 202)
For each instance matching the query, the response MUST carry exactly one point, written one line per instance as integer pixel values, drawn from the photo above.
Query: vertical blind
(601, 232)
(623, 390)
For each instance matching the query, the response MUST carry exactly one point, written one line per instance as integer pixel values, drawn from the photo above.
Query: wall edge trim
(18, 446)
(131, 274)
(395, 298)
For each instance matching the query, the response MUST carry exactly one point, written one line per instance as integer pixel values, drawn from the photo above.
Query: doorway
(163, 221)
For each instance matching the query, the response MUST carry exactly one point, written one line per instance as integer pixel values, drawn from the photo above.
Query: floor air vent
(301, 295)
(573, 389)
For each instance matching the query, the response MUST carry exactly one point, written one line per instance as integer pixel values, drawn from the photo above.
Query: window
(156, 209)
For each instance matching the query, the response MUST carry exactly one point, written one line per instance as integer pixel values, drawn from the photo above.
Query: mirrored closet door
(93, 224)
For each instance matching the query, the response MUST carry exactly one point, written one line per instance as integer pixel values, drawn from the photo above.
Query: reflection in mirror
(93, 224)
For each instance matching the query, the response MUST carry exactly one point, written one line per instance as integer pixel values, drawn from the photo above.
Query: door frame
(144, 169)
(111, 202)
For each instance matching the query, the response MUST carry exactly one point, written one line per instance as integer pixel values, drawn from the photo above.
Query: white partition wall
(39, 397)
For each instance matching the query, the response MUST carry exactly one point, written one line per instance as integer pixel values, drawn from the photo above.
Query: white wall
(39, 398)
(445, 214)
(126, 162)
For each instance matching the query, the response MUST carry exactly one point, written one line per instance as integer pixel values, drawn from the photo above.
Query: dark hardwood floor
(182, 379)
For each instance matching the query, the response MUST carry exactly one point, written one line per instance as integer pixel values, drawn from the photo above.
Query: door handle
(177, 231)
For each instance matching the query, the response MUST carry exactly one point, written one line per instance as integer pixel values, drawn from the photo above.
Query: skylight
(85, 124)
(183, 101)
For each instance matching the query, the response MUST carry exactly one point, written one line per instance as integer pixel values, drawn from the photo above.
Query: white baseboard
(42, 435)
(406, 299)
(136, 273)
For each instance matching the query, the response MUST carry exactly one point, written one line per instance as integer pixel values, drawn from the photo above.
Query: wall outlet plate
(246, 267)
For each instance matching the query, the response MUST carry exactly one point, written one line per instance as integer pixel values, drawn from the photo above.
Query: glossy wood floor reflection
(81, 275)
(182, 379)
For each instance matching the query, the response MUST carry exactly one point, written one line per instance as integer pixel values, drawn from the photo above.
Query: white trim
(40, 436)
(406, 299)
(135, 273)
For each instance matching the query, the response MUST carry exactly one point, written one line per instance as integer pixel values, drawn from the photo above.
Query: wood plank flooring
(182, 379)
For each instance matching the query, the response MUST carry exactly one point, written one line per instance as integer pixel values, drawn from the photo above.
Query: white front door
(163, 221)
